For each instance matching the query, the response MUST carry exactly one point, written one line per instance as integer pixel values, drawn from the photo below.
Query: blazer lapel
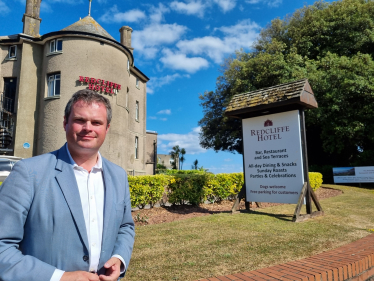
(109, 207)
(68, 184)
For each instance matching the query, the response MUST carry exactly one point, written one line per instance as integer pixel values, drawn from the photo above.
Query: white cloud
(190, 141)
(157, 82)
(180, 61)
(274, 3)
(148, 40)
(113, 15)
(45, 7)
(225, 5)
(73, 2)
(152, 117)
(191, 8)
(228, 160)
(148, 52)
(213, 47)
(3, 7)
(165, 111)
(227, 169)
(244, 26)
(163, 119)
(150, 90)
(270, 3)
(157, 13)
(241, 35)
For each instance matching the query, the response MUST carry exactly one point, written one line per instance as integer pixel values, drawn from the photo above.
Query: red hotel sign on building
(100, 85)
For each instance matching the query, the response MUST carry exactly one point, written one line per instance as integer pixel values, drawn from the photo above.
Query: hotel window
(137, 111)
(55, 46)
(137, 82)
(12, 51)
(136, 147)
(54, 83)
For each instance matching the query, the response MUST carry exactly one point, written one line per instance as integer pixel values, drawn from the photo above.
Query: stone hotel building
(39, 74)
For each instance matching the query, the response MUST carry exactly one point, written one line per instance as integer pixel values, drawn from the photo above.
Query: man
(66, 215)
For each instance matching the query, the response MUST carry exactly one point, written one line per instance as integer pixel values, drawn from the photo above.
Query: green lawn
(223, 243)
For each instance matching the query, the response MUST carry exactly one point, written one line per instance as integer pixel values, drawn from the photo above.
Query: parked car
(6, 165)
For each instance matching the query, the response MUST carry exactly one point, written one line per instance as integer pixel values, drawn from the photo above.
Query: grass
(224, 244)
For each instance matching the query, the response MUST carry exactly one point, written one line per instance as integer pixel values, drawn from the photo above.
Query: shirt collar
(98, 165)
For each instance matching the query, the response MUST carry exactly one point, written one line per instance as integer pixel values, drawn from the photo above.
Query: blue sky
(180, 45)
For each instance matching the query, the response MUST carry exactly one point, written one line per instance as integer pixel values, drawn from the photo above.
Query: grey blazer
(41, 219)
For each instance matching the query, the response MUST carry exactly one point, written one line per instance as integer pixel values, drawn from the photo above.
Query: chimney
(31, 20)
(125, 33)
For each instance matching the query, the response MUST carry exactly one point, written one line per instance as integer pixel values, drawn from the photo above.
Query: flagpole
(89, 9)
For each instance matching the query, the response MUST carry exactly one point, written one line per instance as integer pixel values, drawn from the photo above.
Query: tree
(331, 44)
(181, 159)
(161, 166)
(178, 155)
(175, 155)
(194, 166)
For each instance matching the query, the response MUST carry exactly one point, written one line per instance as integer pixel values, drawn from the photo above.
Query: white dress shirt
(91, 191)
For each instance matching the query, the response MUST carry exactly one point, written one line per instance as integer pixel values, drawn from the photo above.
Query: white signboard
(353, 174)
(273, 158)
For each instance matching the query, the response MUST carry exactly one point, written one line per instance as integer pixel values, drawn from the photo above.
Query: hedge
(147, 189)
(225, 186)
(182, 172)
(191, 188)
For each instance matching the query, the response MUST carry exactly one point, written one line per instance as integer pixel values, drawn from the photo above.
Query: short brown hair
(88, 96)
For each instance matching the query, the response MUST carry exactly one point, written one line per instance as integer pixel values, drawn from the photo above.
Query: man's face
(86, 127)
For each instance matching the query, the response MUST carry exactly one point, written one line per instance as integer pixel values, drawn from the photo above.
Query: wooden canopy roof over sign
(283, 97)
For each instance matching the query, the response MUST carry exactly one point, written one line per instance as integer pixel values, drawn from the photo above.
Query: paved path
(354, 262)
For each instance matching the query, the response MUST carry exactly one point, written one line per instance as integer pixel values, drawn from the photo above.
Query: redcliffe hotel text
(270, 134)
(100, 85)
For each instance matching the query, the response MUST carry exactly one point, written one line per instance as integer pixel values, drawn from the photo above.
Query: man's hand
(79, 276)
(113, 270)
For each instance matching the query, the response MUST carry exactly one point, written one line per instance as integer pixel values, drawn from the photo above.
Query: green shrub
(192, 188)
(315, 180)
(225, 186)
(160, 171)
(160, 166)
(147, 189)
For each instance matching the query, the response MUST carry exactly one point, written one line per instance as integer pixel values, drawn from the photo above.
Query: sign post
(274, 146)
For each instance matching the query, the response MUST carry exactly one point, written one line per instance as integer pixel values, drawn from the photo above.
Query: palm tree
(183, 152)
(175, 155)
(194, 166)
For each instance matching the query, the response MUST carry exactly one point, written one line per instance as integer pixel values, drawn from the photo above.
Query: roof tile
(88, 24)
(269, 95)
